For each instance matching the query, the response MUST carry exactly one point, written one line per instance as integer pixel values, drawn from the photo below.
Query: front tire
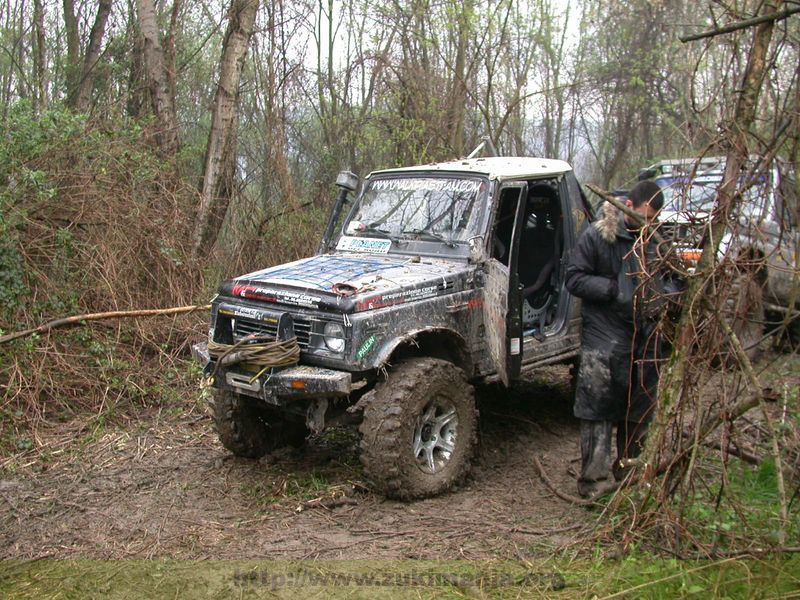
(419, 429)
(249, 429)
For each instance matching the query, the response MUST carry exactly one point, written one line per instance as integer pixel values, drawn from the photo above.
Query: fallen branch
(327, 503)
(551, 486)
(117, 314)
(545, 531)
(748, 457)
(707, 427)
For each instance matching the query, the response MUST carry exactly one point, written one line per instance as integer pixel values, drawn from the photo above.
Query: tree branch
(776, 16)
(673, 260)
(117, 314)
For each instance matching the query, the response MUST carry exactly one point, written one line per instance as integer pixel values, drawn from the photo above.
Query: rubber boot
(595, 457)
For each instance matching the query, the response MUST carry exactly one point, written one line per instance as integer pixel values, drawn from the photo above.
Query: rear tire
(419, 429)
(248, 428)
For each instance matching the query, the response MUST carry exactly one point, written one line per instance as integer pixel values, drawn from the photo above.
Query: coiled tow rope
(267, 354)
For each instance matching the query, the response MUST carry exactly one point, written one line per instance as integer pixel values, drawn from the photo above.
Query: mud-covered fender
(428, 341)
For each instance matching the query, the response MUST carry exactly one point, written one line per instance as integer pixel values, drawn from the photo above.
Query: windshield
(445, 209)
(700, 195)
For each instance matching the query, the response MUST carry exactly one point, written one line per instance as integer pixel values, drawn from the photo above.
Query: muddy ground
(159, 484)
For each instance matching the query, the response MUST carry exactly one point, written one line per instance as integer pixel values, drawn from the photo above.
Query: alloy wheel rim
(435, 435)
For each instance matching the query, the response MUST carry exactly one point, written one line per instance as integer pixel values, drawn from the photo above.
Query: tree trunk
(171, 60)
(326, 89)
(73, 48)
(275, 118)
(158, 79)
(737, 141)
(220, 161)
(86, 84)
(459, 95)
(40, 66)
(137, 85)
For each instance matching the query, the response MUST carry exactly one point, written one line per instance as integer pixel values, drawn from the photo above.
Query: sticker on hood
(367, 245)
(255, 292)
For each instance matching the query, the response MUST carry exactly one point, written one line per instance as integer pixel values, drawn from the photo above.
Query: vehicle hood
(352, 282)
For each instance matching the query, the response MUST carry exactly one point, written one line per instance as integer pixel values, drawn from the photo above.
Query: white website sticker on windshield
(368, 245)
(464, 186)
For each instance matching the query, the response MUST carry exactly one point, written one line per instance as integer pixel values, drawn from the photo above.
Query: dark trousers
(596, 465)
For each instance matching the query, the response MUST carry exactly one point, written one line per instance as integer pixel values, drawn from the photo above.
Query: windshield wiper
(380, 232)
(430, 235)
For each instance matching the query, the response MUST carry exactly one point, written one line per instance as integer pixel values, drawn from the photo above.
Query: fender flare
(449, 345)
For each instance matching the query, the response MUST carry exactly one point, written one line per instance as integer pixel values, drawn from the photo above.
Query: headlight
(691, 256)
(334, 336)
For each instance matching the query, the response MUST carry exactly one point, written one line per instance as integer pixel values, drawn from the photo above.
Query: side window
(542, 235)
(504, 225)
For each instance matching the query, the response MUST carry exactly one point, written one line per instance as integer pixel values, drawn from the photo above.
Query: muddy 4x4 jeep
(441, 276)
(762, 239)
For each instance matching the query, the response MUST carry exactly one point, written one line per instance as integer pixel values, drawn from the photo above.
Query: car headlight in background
(691, 256)
(334, 337)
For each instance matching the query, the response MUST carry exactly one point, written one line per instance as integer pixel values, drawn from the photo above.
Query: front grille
(244, 327)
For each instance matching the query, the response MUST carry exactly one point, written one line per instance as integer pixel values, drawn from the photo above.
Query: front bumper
(281, 385)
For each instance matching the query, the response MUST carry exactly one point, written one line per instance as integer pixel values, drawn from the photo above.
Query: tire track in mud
(165, 487)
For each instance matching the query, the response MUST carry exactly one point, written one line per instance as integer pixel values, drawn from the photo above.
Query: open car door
(502, 303)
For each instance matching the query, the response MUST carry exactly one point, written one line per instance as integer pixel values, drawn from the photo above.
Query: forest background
(150, 149)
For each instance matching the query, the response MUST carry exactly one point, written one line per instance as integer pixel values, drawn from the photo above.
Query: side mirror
(347, 182)
(645, 174)
(475, 249)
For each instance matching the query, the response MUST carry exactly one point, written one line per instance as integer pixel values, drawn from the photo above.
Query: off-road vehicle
(762, 238)
(439, 277)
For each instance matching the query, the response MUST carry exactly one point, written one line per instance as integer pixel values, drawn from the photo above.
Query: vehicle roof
(495, 167)
(706, 160)
(707, 166)
(706, 163)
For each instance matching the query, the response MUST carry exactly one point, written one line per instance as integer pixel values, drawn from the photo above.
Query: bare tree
(82, 95)
(72, 68)
(703, 325)
(620, 103)
(171, 51)
(162, 101)
(555, 93)
(39, 57)
(220, 161)
(458, 95)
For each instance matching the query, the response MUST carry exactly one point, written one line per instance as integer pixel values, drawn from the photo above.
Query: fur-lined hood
(609, 223)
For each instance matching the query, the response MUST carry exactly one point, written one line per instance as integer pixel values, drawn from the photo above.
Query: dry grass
(98, 222)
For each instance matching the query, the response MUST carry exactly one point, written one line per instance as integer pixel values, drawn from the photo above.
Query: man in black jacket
(618, 377)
